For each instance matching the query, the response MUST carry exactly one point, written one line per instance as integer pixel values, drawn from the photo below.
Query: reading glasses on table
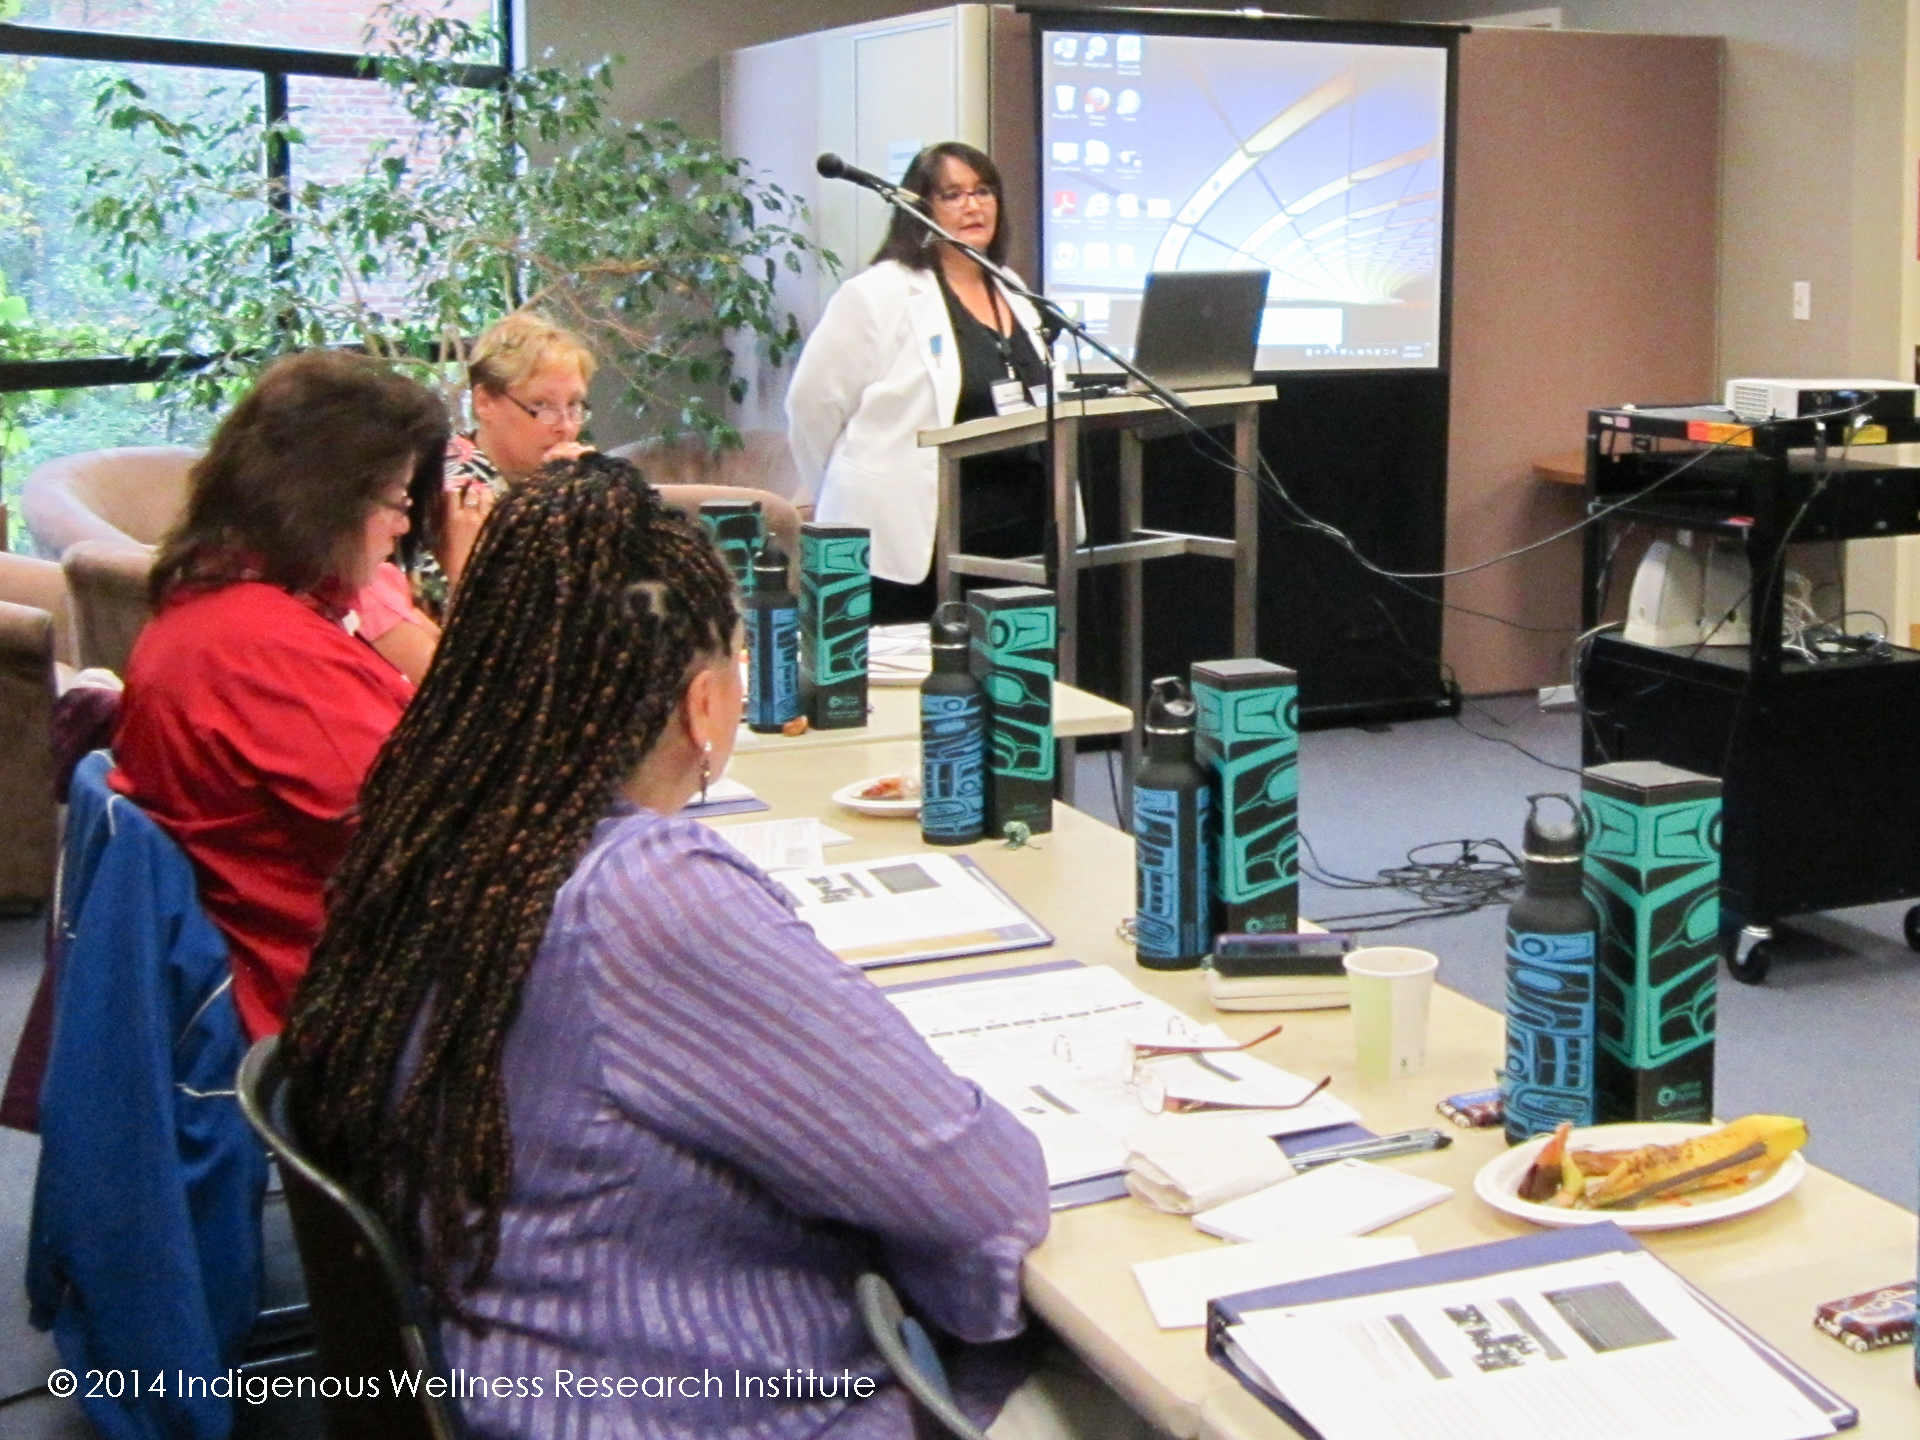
(1147, 1083)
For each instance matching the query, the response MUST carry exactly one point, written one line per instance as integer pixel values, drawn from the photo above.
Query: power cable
(1482, 873)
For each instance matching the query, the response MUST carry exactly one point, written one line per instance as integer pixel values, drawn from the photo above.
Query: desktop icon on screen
(1065, 203)
(1127, 206)
(1096, 48)
(1065, 47)
(1066, 255)
(1066, 152)
(1097, 152)
(1098, 257)
(1123, 257)
(1063, 97)
(1098, 204)
(1130, 158)
(1129, 102)
(1126, 49)
(1098, 100)
(1158, 209)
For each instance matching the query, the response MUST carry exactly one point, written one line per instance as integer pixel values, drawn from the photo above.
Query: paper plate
(849, 796)
(1498, 1182)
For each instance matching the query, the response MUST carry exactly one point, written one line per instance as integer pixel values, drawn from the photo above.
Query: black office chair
(367, 1313)
(904, 1344)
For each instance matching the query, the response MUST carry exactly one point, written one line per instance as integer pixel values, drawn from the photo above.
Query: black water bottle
(953, 737)
(1552, 935)
(773, 644)
(1172, 863)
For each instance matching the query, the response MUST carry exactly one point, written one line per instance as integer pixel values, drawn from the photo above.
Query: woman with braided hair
(626, 1114)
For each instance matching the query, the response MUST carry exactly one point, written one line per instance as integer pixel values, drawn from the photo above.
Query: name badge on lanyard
(1008, 396)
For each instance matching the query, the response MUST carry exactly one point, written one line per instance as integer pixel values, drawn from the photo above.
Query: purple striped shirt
(716, 1125)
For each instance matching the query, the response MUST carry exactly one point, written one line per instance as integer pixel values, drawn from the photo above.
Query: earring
(706, 768)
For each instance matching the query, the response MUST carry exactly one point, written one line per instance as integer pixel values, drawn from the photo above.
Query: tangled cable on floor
(1478, 874)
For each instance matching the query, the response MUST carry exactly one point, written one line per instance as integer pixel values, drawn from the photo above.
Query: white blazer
(880, 367)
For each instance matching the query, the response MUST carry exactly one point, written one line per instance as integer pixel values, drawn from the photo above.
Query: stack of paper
(1179, 1287)
(898, 654)
(1348, 1197)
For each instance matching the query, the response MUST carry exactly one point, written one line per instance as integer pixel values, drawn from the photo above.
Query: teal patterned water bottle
(953, 738)
(1552, 932)
(1172, 840)
(773, 645)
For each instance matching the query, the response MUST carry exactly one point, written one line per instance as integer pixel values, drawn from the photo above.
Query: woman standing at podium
(921, 339)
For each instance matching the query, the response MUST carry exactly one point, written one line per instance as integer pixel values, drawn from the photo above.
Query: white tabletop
(893, 713)
(1826, 1240)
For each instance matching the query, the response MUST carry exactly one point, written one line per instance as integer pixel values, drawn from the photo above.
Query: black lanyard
(1002, 343)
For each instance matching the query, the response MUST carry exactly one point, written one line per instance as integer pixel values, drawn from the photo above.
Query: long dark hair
(584, 611)
(910, 242)
(294, 470)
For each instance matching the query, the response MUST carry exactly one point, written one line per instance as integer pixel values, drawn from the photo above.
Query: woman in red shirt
(252, 711)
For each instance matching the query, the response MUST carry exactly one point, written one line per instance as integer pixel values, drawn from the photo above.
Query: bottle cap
(1169, 707)
(950, 636)
(770, 568)
(1553, 837)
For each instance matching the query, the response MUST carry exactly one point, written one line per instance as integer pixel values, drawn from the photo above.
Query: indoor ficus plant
(524, 190)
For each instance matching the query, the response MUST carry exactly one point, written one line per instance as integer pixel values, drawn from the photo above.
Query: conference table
(893, 713)
(1770, 1268)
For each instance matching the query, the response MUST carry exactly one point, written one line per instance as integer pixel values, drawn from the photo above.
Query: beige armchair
(688, 474)
(26, 580)
(129, 496)
(102, 513)
(108, 583)
(27, 647)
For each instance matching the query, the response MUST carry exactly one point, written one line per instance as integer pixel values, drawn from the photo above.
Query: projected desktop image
(1321, 162)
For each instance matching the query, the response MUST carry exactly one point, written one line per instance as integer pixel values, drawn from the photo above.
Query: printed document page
(778, 844)
(1052, 1047)
(1592, 1349)
(877, 912)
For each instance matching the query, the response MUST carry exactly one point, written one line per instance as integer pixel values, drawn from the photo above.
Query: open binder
(1472, 1263)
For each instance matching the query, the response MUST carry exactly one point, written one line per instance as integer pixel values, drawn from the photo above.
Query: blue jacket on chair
(145, 1248)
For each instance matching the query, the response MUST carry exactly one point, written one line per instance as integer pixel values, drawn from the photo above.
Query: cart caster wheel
(1752, 954)
(1911, 928)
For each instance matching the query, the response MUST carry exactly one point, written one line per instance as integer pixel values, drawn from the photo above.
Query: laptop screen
(1198, 328)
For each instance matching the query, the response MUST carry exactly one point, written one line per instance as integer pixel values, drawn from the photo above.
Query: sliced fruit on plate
(1738, 1151)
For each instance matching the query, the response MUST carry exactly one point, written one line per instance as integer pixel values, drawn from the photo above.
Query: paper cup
(1391, 986)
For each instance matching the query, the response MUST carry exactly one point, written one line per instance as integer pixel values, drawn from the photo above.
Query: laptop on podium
(1200, 329)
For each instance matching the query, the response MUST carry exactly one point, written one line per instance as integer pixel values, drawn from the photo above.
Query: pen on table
(1404, 1142)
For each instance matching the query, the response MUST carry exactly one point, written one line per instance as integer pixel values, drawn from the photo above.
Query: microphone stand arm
(1052, 318)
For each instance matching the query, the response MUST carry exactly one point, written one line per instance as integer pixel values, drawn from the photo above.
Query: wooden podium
(1138, 420)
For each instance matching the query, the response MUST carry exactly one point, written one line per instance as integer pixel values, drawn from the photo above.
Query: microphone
(833, 167)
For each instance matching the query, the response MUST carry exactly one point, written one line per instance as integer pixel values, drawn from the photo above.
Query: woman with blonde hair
(527, 380)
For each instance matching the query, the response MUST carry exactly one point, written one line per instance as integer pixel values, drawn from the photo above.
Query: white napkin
(1184, 1163)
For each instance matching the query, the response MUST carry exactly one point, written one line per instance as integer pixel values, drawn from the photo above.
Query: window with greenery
(74, 74)
(243, 200)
